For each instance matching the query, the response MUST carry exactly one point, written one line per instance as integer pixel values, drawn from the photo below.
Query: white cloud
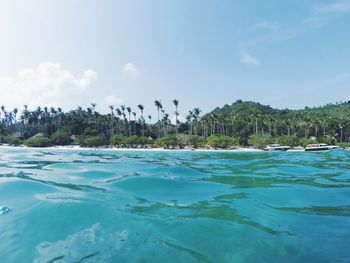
(266, 25)
(113, 100)
(131, 69)
(333, 8)
(249, 59)
(47, 85)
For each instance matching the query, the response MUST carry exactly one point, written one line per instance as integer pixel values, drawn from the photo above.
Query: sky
(206, 53)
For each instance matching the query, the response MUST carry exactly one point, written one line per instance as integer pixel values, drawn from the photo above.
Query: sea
(173, 206)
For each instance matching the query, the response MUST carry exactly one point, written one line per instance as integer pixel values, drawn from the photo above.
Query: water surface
(102, 206)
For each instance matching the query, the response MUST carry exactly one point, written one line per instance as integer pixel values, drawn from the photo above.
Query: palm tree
(142, 118)
(119, 113)
(159, 106)
(134, 114)
(123, 114)
(128, 109)
(341, 132)
(111, 107)
(149, 121)
(176, 103)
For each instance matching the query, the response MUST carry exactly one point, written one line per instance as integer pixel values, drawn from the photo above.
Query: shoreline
(115, 149)
(78, 148)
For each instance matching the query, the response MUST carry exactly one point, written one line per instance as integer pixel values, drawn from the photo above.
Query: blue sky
(205, 53)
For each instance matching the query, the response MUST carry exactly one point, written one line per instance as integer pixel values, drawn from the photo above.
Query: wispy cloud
(266, 25)
(249, 59)
(130, 68)
(333, 8)
(112, 100)
(319, 16)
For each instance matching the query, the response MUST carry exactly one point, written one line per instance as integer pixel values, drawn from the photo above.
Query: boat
(276, 147)
(320, 147)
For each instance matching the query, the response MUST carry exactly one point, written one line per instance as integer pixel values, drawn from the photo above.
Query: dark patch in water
(55, 259)
(202, 209)
(199, 256)
(78, 187)
(87, 257)
(319, 210)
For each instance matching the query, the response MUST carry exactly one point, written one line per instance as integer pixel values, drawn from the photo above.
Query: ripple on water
(104, 206)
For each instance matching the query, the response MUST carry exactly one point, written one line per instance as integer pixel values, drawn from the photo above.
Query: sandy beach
(78, 148)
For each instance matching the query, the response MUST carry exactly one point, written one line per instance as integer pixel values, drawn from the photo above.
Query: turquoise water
(102, 206)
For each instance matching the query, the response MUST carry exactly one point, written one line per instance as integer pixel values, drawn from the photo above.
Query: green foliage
(306, 141)
(183, 140)
(117, 140)
(241, 119)
(131, 140)
(197, 141)
(288, 140)
(60, 138)
(142, 140)
(327, 139)
(167, 141)
(260, 140)
(38, 141)
(91, 140)
(26, 135)
(90, 132)
(12, 140)
(221, 141)
(343, 144)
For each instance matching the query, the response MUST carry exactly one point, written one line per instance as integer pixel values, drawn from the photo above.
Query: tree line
(245, 122)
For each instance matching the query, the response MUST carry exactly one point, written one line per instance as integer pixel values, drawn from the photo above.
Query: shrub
(131, 141)
(60, 138)
(327, 139)
(90, 132)
(221, 141)
(38, 141)
(260, 140)
(289, 140)
(167, 141)
(183, 140)
(306, 141)
(143, 140)
(343, 144)
(197, 141)
(91, 140)
(12, 140)
(116, 140)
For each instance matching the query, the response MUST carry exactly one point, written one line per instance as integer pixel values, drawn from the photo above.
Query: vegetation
(91, 138)
(12, 140)
(260, 140)
(60, 138)
(221, 141)
(167, 141)
(38, 141)
(244, 123)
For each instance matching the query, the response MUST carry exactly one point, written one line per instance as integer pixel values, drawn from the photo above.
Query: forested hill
(243, 118)
(246, 122)
(339, 110)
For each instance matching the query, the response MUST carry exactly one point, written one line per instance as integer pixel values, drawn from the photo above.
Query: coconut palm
(142, 118)
(176, 103)
(159, 107)
(128, 109)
